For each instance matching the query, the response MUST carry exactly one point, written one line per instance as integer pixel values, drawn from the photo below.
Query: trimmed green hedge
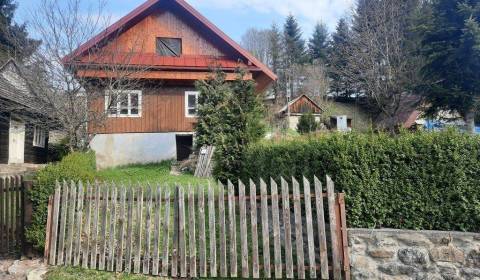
(75, 166)
(410, 181)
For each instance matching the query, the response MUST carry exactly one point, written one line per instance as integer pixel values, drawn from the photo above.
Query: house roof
(16, 90)
(293, 101)
(141, 11)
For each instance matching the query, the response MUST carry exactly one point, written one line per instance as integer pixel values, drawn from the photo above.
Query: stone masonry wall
(404, 254)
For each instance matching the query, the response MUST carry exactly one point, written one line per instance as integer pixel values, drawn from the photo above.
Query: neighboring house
(177, 46)
(299, 106)
(23, 135)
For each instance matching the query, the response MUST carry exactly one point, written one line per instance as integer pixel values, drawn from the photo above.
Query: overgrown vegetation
(411, 181)
(230, 117)
(75, 166)
(307, 124)
(71, 273)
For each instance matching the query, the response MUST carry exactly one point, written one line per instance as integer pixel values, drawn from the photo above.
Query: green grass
(71, 273)
(155, 173)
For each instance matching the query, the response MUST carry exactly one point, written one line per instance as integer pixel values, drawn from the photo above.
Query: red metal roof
(184, 61)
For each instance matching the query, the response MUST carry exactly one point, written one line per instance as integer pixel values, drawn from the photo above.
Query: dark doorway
(184, 146)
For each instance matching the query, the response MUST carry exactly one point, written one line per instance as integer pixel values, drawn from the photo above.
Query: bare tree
(66, 82)
(381, 62)
(257, 41)
(316, 84)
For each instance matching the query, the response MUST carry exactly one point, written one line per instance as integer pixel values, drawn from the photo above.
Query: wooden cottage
(174, 46)
(296, 108)
(23, 135)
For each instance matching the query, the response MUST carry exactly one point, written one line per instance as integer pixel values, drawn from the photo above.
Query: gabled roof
(129, 20)
(293, 101)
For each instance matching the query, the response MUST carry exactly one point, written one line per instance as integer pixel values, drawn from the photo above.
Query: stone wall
(404, 254)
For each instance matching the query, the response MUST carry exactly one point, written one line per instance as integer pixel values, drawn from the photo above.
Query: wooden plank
(202, 246)
(156, 230)
(8, 217)
(103, 228)
(111, 231)
(233, 229)
(298, 230)
(148, 217)
(86, 228)
(139, 218)
(192, 246)
(78, 226)
(2, 214)
(212, 232)
(253, 219)
(165, 235)
(96, 214)
(182, 250)
(174, 271)
(343, 218)
(243, 229)
(121, 229)
(322, 238)
(128, 244)
(309, 219)
(48, 229)
(54, 231)
(277, 250)
(19, 216)
(287, 229)
(265, 229)
(222, 231)
(71, 222)
(337, 273)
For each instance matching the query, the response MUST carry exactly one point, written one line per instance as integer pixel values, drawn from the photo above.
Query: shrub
(75, 166)
(411, 181)
(307, 124)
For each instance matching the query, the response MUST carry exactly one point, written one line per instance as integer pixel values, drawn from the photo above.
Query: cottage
(176, 46)
(23, 135)
(296, 108)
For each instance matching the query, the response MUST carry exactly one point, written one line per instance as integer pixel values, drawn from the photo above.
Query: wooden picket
(132, 229)
(11, 214)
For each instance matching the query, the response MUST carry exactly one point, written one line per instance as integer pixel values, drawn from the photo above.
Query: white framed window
(39, 137)
(123, 103)
(191, 102)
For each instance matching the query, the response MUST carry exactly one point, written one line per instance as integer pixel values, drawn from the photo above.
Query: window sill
(124, 116)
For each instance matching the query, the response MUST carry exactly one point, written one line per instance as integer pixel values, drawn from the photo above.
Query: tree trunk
(470, 121)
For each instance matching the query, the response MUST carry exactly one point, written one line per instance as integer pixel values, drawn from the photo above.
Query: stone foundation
(403, 254)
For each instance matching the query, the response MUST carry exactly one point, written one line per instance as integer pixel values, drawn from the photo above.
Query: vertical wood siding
(163, 110)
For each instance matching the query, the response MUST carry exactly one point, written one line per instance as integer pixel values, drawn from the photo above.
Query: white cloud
(308, 12)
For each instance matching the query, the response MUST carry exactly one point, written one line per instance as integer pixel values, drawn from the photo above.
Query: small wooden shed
(296, 108)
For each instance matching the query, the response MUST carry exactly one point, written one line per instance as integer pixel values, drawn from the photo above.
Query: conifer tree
(451, 47)
(337, 59)
(318, 43)
(294, 44)
(14, 40)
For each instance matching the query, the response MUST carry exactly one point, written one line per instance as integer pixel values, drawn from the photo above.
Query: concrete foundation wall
(405, 254)
(133, 148)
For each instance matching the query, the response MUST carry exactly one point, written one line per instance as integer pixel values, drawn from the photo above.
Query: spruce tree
(294, 44)
(14, 40)
(337, 59)
(451, 47)
(318, 43)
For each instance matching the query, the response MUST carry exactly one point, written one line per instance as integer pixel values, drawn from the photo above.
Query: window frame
(39, 136)
(174, 38)
(129, 93)
(187, 94)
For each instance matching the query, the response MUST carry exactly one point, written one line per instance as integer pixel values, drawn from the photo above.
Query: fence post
(27, 248)
(48, 230)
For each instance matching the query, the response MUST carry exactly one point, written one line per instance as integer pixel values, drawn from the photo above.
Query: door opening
(184, 146)
(16, 142)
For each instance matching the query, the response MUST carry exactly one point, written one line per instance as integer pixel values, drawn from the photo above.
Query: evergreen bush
(307, 124)
(409, 181)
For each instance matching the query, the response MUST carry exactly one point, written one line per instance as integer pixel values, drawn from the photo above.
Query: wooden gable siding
(163, 110)
(304, 105)
(141, 38)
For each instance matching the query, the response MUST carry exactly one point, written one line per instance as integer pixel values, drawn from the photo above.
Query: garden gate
(190, 232)
(11, 214)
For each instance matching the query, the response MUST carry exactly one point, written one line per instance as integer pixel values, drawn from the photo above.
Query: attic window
(169, 46)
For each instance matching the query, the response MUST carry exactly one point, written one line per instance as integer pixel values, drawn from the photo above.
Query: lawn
(71, 273)
(155, 173)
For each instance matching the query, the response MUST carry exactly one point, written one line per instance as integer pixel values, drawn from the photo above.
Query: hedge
(75, 166)
(410, 181)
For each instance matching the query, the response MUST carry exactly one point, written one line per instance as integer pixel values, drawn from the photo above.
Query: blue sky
(234, 17)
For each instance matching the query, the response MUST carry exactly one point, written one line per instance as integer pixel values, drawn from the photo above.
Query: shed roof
(297, 99)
